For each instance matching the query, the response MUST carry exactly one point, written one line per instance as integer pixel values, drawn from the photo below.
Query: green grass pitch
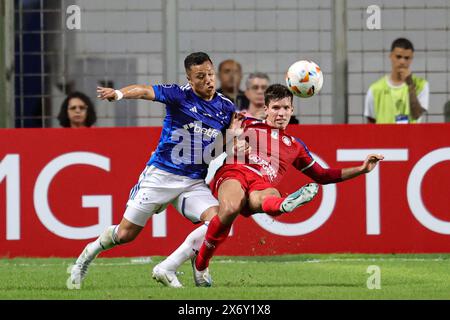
(336, 276)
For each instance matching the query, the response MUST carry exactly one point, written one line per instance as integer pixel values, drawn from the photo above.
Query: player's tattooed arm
(135, 91)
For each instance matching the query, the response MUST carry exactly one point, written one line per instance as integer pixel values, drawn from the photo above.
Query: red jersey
(272, 151)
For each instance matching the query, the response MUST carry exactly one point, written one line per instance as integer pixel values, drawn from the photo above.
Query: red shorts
(250, 181)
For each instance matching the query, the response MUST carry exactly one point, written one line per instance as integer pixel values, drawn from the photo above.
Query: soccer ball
(304, 78)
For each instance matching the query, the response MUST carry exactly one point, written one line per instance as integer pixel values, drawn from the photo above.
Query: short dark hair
(276, 92)
(195, 59)
(402, 43)
(63, 116)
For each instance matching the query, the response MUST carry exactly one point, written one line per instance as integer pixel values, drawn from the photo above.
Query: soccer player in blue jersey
(170, 176)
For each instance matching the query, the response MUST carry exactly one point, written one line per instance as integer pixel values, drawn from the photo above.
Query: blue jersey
(191, 125)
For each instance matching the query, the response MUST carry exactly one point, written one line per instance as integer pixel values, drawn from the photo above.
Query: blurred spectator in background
(256, 85)
(77, 111)
(230, 76)
(400, 97)
(447, 111)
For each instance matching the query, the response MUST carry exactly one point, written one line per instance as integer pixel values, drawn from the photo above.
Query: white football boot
(201, 278)
(166, 277)
(300, 197)
(79, 270)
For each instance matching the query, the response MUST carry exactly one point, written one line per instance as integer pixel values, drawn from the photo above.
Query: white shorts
(156, 189)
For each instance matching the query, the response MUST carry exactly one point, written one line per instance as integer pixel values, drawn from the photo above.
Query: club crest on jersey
(286, 141)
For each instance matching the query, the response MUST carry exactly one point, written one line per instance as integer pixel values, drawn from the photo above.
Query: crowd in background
(398, 97)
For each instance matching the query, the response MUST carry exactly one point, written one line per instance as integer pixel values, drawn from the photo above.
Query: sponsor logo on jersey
(188, 126)
(209, 132)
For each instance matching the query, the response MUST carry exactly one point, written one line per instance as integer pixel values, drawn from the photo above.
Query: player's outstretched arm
(135, 91)
(368, 165)
(330, 175)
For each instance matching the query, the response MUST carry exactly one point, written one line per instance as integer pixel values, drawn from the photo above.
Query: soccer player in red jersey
(247, 187)
(245, 183)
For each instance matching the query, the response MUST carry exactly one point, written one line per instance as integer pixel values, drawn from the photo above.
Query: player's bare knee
(231, 208)
(209, 213)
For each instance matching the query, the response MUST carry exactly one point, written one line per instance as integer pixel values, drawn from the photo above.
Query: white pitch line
(134, 263)
(337, 260)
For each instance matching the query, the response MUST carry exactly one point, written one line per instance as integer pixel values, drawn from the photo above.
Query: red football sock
(271, 205)
(216, 234)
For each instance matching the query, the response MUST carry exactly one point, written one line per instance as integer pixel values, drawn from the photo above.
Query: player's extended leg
(257, 199)
(165, 271)
(113, 235)
(271, 202)
(232, 200)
